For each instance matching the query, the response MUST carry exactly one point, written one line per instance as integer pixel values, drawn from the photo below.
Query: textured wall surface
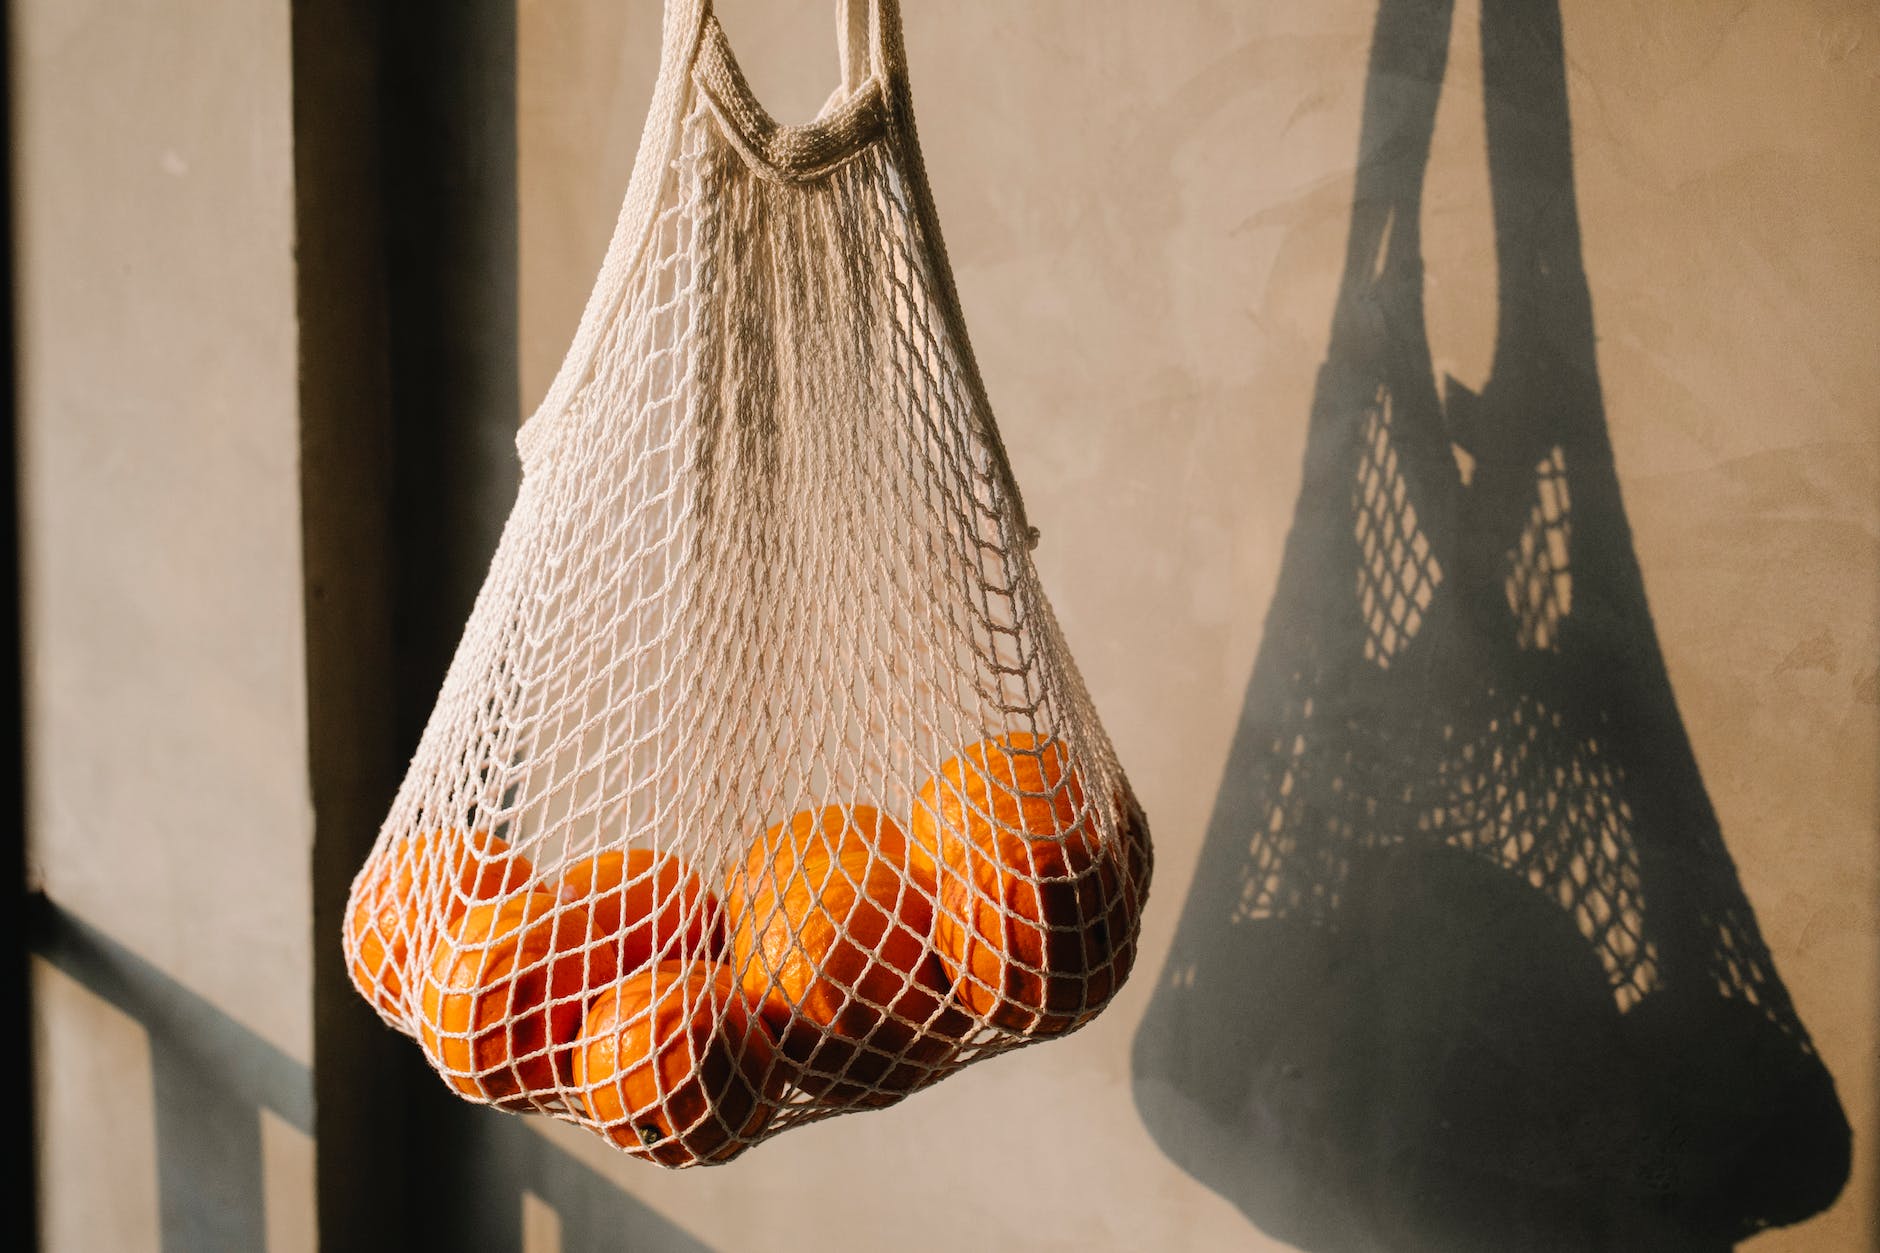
(1147, 210)
(165, 679)
(162, 563)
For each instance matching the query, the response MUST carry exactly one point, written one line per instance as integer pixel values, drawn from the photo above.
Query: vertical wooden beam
(405, 193)
(362, 1133)
(448, 129)
(21, 1224)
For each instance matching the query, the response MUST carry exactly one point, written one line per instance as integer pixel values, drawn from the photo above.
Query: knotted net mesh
(762, 786)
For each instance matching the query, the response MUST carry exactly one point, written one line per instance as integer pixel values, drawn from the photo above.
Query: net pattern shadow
(1399, 574)
(1540, 576)
(1465, 962)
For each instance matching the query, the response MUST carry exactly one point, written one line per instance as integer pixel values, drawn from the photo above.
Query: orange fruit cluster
(873, 953)
(599, 988)
(849, 960)
(1037, 920)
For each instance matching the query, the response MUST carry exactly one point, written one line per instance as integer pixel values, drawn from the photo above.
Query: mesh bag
(1466, 963)
(762, 786)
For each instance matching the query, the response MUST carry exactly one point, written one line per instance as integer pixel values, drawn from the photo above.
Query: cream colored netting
(762, 786)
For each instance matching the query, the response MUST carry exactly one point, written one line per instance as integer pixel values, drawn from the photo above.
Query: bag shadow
(1466, 964)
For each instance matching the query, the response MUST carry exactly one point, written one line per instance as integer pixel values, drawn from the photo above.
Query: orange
(830, 933)
(675, 1067)
(1036, 922)
(648, 904)
(443, 871)
(504, 995)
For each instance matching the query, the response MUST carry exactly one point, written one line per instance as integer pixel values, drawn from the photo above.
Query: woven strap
(854, 118)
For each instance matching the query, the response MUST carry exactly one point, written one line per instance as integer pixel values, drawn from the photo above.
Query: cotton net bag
(762, 786)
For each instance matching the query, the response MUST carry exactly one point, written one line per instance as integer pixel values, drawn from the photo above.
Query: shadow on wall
(1466, 964)
(213, 1077)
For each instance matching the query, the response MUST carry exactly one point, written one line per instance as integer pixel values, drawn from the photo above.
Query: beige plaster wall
(168, 796)
(98, 1158)
(1146, 207)
(159, 436)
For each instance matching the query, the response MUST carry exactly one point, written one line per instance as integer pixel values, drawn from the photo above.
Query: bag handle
(855, 43)
(868, 41)
(691, 36)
